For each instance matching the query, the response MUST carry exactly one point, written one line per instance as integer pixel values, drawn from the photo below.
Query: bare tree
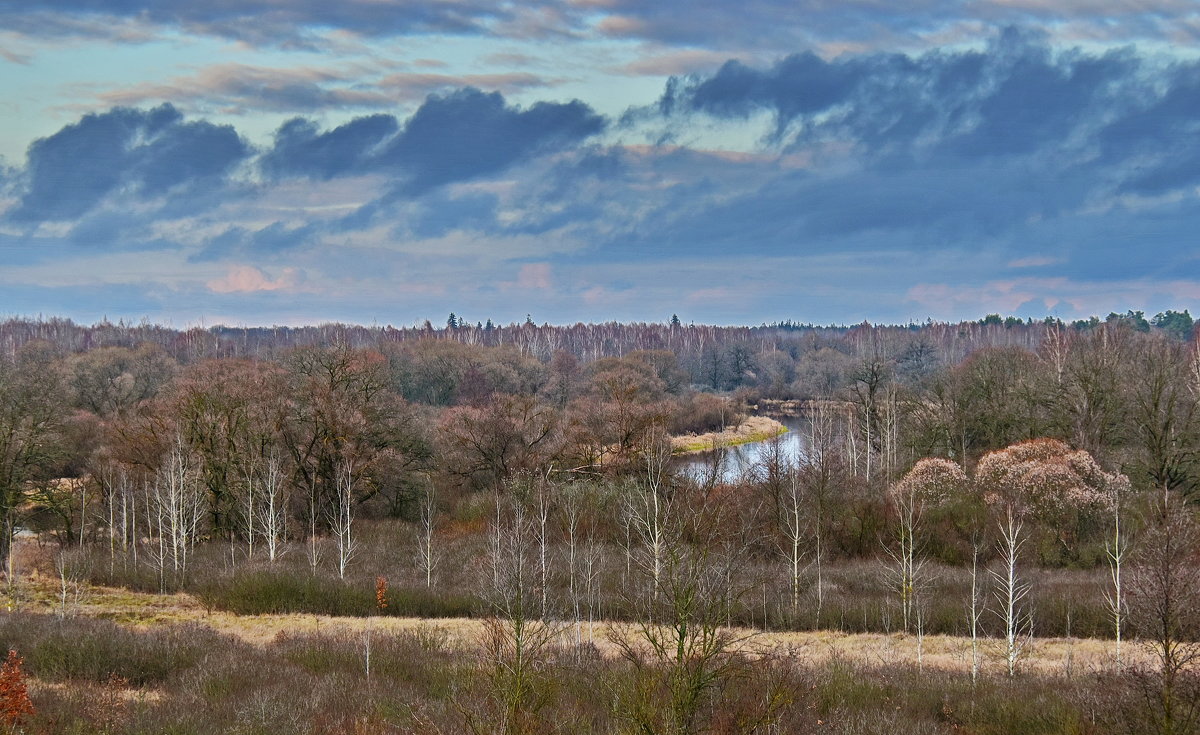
(817, 472)
(33, 413)
(516, 639)
(175, 508)
(249, 522)
(975, 611)
(72, 567)
(541, 510)
(1117, 549)
(794, 525)
(572, 517)
(585, 555)
(1012, 591)
(1040, 478)
(427, 553)
(343, 522)
(928, 484)
(681, 646)
(272, 506)
(313, 549)
(647, 508)
(1164, 593)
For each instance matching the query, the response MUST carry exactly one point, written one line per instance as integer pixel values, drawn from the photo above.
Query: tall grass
(99, 677)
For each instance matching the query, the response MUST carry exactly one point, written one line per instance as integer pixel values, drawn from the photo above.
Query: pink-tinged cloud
(535, 276)
(415, 86)
(679, 62)
(248, 279)
(600, 296)
(242, 87)
(710, 295)
(1034, 261)
(1081, 297)
(621, 26)
(1000, 296)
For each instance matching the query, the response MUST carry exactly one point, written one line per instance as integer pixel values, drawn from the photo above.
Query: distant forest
(470, 406)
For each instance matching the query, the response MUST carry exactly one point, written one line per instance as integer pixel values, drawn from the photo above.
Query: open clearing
(1065, 656)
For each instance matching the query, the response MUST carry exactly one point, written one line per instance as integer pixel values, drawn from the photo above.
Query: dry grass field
(143, 611)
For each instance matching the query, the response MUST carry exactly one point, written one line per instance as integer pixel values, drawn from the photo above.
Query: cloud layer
(761, 24)
(1019, 175)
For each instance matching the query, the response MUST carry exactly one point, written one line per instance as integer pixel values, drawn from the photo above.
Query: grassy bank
(753, 429)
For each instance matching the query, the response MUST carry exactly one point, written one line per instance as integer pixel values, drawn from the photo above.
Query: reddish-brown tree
(15, 704)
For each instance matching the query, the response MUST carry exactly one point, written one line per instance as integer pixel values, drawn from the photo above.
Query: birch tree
(427, 553)
(974, 611)
(647, 509)
(1040, 478)
(343, 522)
(794, 526)
(175, 510)
(1116, 550)
(1012, 589)
(265, 506)
(928, 484)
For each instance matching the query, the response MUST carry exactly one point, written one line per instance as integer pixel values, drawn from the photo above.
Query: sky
(257, 162)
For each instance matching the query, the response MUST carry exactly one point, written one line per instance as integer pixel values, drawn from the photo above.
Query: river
(731, 464)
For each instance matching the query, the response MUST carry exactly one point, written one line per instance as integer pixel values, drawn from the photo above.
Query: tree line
(391, 420)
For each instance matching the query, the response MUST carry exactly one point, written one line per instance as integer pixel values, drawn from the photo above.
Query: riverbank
(753, 429)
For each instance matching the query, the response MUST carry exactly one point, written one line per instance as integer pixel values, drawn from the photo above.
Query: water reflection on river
(731, 464)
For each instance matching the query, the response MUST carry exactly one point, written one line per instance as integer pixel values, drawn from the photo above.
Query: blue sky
(388, 161)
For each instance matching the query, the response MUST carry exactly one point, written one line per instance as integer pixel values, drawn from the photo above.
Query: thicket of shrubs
(286, 591)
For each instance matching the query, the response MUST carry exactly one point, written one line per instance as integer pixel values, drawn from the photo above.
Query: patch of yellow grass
(951, 653)
(753, 429)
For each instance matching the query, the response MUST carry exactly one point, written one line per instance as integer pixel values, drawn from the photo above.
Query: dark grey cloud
(469, 133)
(301, 149)
(256, 244)
(183, 166)
(1014, 148)
(1121, 115)
(148, 153)
(1161, 136)
(453, 137)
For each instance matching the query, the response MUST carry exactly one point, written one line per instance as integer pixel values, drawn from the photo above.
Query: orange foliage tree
(15, 704)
